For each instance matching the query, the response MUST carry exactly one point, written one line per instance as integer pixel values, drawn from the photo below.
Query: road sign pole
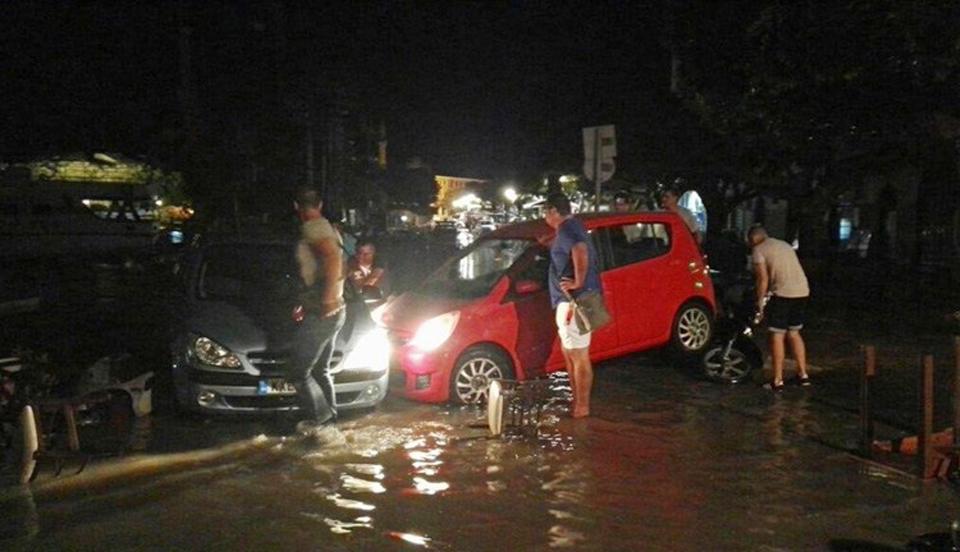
(596, 168)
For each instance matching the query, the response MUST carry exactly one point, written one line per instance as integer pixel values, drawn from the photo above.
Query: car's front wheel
(474, 371)
(692, 329)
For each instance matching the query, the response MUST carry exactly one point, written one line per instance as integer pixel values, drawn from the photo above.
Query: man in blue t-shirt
(573, 270)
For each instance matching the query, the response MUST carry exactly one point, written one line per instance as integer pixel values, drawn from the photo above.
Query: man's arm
(375, 276)
(762, 279)
(372, 279)
(580, 255)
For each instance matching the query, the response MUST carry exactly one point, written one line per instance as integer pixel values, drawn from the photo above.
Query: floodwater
(667, 462)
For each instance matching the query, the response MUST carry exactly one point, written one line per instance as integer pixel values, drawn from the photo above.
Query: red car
(485, 313)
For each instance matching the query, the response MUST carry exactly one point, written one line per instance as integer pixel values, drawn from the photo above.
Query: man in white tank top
(320, 315)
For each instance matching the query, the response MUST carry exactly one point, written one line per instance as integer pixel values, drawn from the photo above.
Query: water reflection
(429, 487)
(339, 527)
(411, 538)
(357, 485)
(350, 504)
(373, 470)
(662, 455)
(564, 537)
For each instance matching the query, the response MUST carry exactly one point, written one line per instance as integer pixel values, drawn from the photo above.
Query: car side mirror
(526, 287)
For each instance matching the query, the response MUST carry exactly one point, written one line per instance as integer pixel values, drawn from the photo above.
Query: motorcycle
(733, 356)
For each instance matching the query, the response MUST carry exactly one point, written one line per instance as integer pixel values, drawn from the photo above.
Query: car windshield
(473, 273)
(248, 272)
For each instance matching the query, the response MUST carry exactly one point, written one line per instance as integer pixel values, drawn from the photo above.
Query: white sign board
(599, 152)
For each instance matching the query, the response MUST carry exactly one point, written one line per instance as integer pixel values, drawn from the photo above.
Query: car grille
(277, 401)
(274, 364)
(204, 377)
(269, 363)
(223, 378)
(280, 401)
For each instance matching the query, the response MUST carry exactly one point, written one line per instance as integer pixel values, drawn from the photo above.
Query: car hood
(246, 328)
(406, 312)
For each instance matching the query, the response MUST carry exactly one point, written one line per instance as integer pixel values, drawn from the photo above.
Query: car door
(536, 344)
(639, 276)
(606, 338)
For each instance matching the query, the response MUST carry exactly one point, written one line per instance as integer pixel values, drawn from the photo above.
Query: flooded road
(667, 462)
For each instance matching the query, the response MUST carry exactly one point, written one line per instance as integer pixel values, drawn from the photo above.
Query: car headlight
(434, 332)
(377, 314)
(210, 352)
(372, 352)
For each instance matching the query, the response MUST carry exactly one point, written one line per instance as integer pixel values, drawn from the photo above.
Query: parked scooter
(733, 356)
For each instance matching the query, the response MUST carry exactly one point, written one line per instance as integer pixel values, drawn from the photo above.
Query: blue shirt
(570, 233)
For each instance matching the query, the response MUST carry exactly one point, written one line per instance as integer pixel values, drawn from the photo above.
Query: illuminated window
(846, 229)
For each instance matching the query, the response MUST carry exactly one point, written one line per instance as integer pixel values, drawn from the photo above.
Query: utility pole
(187, 89)
(671, 40)
(311, 168)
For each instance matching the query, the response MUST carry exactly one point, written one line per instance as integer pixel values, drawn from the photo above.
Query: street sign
(599, 152)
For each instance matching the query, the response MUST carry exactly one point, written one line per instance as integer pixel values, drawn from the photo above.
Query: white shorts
(570, 336)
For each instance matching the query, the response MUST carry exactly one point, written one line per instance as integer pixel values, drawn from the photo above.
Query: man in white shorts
(573, 271)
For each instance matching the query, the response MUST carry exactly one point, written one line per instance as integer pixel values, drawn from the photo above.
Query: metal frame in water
(524, 401)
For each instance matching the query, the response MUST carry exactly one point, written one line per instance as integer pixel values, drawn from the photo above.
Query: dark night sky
(476, 88)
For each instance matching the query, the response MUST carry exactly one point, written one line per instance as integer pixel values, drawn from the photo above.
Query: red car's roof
(539, 230)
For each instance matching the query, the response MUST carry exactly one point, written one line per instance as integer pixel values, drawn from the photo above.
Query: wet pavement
(667, 462)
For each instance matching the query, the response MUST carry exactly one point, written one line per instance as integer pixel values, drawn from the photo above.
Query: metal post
(69, 417)
(924, 444)
(866, 410)
(956, 390)
(596, 168)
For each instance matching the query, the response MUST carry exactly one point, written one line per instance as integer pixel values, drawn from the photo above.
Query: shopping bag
(590, 312)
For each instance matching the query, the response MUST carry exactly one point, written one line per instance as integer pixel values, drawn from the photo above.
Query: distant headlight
(372, 352)
(210, 352)
(434, 332)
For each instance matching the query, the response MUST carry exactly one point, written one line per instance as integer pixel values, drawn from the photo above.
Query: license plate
(275, 386)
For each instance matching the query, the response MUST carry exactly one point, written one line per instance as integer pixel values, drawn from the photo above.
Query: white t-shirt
(689, 218)
(787, 278)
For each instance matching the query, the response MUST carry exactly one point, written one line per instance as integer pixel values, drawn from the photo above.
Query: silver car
(234, 330)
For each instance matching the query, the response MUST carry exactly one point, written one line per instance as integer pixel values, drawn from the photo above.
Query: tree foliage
(797, 88)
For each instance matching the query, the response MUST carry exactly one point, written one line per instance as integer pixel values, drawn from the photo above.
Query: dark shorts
(786, 314)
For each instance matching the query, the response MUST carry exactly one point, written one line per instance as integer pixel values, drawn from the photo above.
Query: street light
(510, 194)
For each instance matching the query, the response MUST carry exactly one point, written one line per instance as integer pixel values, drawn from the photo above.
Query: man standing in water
(321, 312)
(573, 270)
(777, 269)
